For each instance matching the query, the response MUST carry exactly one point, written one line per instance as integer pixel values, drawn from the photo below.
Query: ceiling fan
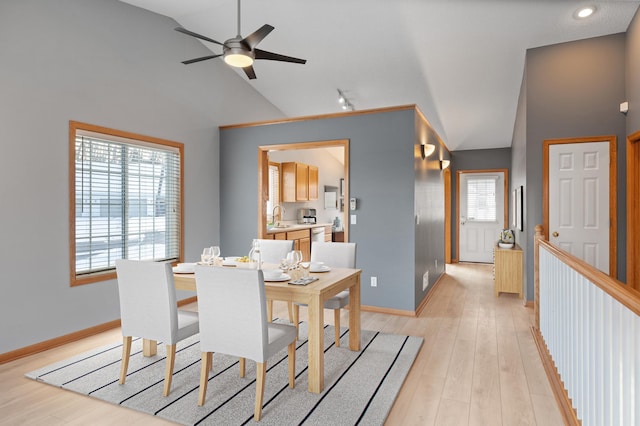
(240, 52)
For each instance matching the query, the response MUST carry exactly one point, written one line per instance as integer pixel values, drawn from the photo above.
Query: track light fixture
(344, 101)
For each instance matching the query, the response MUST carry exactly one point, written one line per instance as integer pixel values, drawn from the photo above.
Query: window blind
(127, 202)
(481, 199)
(274, 190)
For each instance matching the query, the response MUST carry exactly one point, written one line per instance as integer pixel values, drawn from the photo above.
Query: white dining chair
(233, 321)
(148, 310)
(273, 251)
(336, 255)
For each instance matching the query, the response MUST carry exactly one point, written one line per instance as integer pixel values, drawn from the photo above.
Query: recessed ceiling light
(584, 12)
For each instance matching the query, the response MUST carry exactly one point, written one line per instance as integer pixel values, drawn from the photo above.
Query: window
(481, 199)
(274, 191)
(126, 200)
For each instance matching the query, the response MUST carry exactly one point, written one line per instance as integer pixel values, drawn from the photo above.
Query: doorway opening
(339, 148)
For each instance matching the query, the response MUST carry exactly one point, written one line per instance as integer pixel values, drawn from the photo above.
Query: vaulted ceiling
(460, 61)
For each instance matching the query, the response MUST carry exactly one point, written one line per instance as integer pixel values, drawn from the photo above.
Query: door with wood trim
(481, 200)
(633, 210)
(578, 185)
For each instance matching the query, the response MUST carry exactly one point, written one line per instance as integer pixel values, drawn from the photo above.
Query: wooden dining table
(313, 295)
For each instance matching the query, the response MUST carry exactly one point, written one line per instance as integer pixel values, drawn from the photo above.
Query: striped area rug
(360, 387)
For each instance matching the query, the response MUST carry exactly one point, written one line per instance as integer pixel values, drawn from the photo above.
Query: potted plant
(507, 239)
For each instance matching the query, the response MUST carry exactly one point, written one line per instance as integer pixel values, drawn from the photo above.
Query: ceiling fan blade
(258, 35)
(204, 58)
(250, 72)
(263, 54)
(196, 35)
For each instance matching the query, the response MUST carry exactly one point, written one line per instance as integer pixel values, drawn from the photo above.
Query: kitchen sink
(279, 226)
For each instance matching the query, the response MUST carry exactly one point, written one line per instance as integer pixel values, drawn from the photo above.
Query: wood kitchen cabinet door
(313, 183)
(305, 247)
(299, 182)
(301, 241)
(302, 182)
(288, 182)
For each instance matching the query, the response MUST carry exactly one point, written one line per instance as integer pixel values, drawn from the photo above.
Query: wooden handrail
(614, 288)
(536, 274)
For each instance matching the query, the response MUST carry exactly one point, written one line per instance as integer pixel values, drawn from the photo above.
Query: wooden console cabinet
(508, 270)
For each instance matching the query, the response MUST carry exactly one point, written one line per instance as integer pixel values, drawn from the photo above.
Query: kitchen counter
(297, 227)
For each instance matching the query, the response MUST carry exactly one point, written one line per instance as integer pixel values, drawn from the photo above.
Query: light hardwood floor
(478, 366)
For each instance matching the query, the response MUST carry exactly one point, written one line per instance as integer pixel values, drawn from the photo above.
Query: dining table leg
(316, 344)
(149, 347)
(354, 315)
(270, 310)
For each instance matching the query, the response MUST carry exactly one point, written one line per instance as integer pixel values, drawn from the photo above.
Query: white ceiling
(460, 61)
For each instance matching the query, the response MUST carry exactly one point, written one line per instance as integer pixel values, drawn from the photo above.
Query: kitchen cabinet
(313, 183)
(327, 234)
(507, 270)
(301, 241)
(338, 237)
(299, 182)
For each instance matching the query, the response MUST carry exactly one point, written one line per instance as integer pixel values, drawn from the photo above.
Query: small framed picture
(519, 207)
(514, 222)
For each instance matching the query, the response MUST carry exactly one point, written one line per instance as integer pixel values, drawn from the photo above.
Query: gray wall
(382, 151)
(474, 159)
(106, 63)
(518, 175)
(573, 89)
(633, 75)
(429, 212)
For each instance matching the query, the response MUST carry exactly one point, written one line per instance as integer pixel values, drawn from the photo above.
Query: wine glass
(291, 262)
(215, 252)
(297, 256)
(207, 254)
(284, 265)
(215, 255)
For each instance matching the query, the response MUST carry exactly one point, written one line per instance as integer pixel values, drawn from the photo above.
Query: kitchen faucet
(273, 213)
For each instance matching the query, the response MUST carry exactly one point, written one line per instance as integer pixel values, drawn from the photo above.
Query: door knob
(555, 234)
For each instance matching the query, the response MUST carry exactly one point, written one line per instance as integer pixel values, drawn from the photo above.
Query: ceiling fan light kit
(237, 55)
(241, 52)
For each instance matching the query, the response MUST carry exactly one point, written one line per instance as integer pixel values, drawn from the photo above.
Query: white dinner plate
(177, 270)
(283, 277)
(321, 268)
(233, 261)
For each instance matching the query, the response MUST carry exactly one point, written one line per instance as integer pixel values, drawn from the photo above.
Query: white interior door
(579, 200)
(481, 201)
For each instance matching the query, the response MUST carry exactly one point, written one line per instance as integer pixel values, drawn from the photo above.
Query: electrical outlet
(425, 281)
(374, 281)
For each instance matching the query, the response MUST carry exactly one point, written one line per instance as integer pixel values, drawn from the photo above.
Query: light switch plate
(353, 219)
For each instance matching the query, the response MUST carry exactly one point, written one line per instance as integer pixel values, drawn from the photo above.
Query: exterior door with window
(481, 201)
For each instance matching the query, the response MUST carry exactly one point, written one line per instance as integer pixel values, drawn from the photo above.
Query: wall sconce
(426, 149)
(444, 164)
